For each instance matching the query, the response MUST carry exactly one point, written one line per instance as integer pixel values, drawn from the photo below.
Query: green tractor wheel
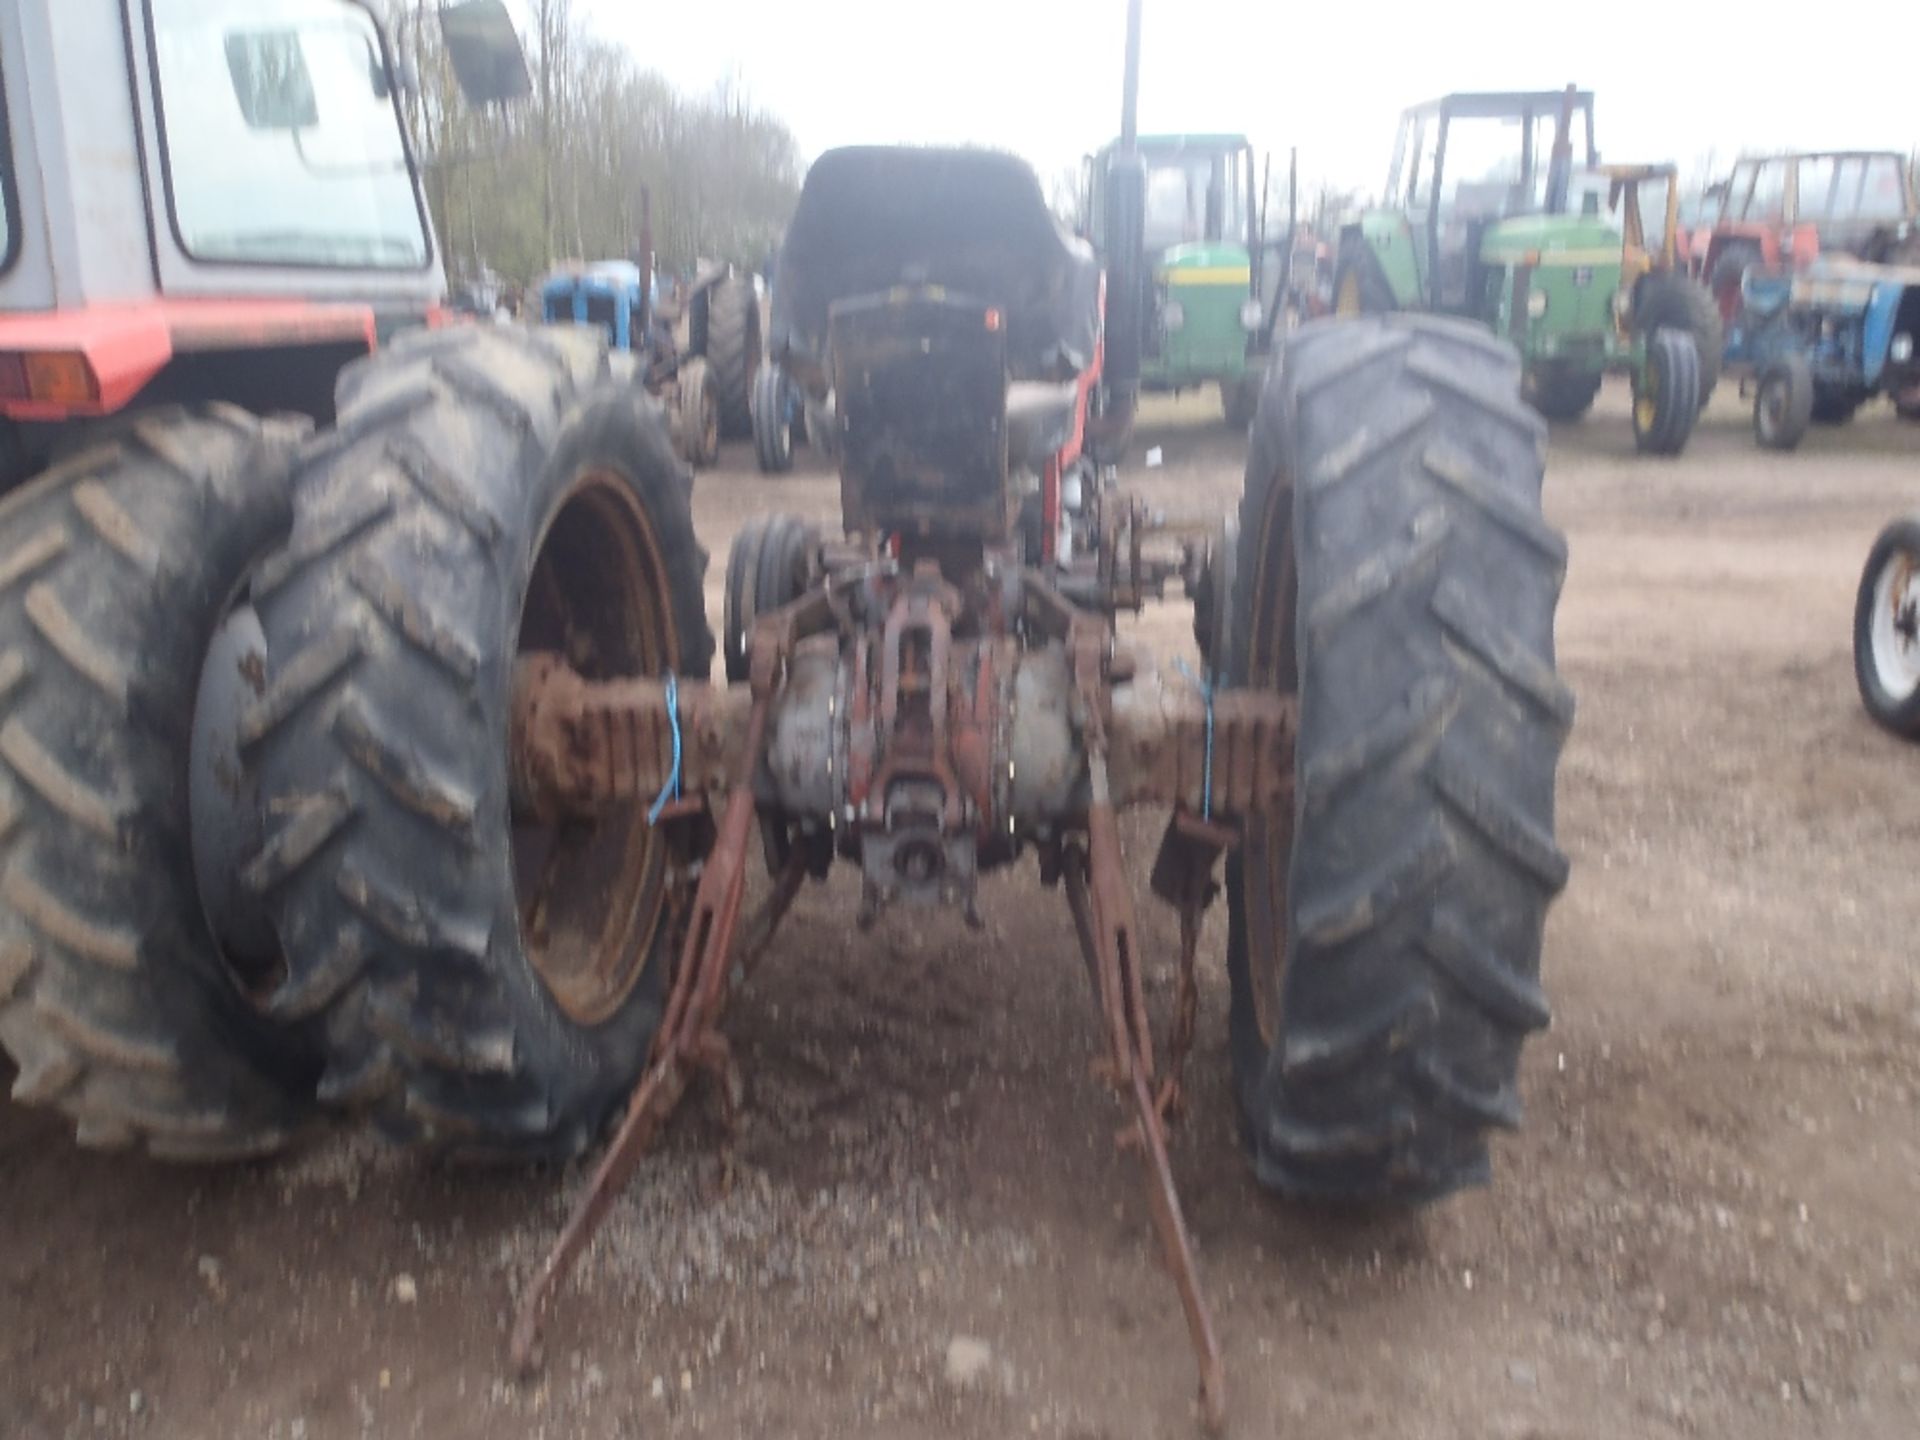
(1562, 392)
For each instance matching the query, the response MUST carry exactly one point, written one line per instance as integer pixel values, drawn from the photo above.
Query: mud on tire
(115, 569)
(1394, 569)
(488, 984)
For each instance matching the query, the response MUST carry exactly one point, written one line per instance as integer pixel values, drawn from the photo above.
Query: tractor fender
(1389, 239)
(1876, 338)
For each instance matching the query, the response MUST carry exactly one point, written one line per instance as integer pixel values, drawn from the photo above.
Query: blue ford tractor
(696, 346)
(1822, 341)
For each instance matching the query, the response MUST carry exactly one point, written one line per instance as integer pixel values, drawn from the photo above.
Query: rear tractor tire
(1886, 629)
(1395, 573)
(696, 415)
(116, 1003)
(1836, 404)
(489, 982)
(1239, 399)
(733, 352)
(1666, 399)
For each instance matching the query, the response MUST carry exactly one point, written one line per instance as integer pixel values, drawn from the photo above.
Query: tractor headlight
(1173, 316)
(1250, 315)
(1901, 350)
(1536, 304)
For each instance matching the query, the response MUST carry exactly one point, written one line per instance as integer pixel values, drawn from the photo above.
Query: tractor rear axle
(885, 722)
(581, 746)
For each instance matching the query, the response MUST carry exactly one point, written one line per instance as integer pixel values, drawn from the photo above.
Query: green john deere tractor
(1481, 221)
(1208, 316)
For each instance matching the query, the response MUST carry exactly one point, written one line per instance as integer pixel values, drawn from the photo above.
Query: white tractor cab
(209, 200)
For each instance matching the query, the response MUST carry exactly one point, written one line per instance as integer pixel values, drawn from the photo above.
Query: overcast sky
(1674, 80)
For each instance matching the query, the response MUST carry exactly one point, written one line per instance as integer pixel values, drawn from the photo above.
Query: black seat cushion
(974, 221)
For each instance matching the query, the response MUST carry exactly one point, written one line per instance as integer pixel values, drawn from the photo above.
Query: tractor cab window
(282, 135)
(1814, 187)
(1481, 174)
(1194, 198)
(1869, 188)
(1768, 195)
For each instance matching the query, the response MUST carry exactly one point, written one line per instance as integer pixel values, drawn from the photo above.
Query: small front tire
(1783, 404)
(772, 424)
(1666, 398)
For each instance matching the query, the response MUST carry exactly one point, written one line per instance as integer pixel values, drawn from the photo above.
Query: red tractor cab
(1786, 209)
(243, 220)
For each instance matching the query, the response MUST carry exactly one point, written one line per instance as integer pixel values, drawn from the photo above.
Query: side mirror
(485, 52)
(270, 80)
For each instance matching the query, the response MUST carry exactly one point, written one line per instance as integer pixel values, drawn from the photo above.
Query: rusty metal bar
(580, 746)
(1103, 914)
(1157, 738)
(688, 1037)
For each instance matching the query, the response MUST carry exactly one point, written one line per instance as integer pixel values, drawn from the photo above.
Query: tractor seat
(1039, 420)
(973, 223)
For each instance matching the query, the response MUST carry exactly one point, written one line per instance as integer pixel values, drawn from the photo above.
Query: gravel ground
(1706, 1226)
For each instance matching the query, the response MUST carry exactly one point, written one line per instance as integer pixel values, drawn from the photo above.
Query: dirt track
(1706, 1227)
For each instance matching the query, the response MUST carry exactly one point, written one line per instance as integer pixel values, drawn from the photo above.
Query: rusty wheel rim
(591, 893)
(1272, 664)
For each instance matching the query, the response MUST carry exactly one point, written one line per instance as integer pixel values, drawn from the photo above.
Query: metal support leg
(686, 1041)
(1103, 915)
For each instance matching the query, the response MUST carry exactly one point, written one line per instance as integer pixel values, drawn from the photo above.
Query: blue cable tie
(1205, 687)
(671, 790)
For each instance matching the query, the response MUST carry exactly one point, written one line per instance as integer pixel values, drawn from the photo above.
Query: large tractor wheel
(489, 981)
(1886, 629)
(1669, 300)
(733, 352)
(1562, 392)
(116, 569)
(1666, 393)
(1836, 404)
(1783, 403)
(1395, 573)
(695, 430)
(1239, 398)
